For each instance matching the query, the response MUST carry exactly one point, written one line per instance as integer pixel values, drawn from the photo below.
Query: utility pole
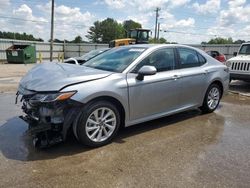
(52, 30)
(156, 21)
(158, 31)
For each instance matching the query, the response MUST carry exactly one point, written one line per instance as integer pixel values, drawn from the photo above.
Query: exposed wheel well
(116, 102)
(217, 82)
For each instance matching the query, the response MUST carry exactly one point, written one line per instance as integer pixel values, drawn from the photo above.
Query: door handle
(206, 72)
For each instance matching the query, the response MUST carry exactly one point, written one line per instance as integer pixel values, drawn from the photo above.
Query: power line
(200, 34)
(40, 21)
(21, 19)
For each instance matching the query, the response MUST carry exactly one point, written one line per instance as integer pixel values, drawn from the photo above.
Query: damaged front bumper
(48, 122)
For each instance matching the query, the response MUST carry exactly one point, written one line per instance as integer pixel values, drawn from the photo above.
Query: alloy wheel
(100, 124)
(213, 98)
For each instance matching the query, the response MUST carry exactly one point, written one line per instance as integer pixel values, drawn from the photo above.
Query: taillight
(222, 58)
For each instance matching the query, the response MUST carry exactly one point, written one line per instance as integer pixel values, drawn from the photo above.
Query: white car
(239, 66)
(84, 58)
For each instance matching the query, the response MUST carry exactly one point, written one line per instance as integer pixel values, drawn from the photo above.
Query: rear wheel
(98, 124)
(211, 99)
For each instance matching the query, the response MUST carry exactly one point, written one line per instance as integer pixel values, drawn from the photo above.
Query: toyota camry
(123, 86)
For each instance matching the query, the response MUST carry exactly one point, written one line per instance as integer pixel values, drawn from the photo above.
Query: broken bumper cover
(49, 122)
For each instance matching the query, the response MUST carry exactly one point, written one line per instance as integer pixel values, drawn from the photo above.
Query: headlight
(51, 97)
(228, 63)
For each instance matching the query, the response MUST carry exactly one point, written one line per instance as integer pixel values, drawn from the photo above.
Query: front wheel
(98, 124)
(211, 99)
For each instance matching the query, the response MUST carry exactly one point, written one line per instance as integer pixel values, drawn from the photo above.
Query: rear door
(157, 93)
(193, 77)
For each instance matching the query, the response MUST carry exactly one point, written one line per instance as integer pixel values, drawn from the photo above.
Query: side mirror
(235, 53)
(146, 71)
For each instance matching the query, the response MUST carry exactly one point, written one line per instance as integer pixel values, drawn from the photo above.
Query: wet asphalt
(183, 150)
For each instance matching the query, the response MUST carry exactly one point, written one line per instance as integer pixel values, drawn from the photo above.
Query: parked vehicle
(217, 55)
(121, 87)
(82, 59)
(239, 66)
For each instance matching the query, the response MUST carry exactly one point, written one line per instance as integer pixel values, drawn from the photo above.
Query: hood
(55, 76)
(240, 58)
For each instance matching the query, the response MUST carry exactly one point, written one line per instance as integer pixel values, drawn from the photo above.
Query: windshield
(116, 59)
(245, 49)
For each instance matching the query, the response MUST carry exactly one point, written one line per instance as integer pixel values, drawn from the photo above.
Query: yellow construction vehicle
(135, 36)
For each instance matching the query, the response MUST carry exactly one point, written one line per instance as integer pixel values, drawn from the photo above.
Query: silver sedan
(121, 87)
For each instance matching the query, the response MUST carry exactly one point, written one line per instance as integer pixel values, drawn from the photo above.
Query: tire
(211, 99)
(93, 129)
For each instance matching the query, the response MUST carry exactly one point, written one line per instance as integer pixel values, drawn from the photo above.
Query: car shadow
(16, 143)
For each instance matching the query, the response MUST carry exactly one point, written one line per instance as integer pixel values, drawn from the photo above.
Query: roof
(159, 45)
(156, 46)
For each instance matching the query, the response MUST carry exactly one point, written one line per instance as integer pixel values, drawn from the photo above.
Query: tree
(58, 41)
(220, 40)
(105, 31)
(130, 24)
(110, 30)
(239, 41)
(160, 41)
(18, 36)
(94, 33)
(78, 39)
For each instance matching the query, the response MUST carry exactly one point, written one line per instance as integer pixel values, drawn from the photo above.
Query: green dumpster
(21, 53)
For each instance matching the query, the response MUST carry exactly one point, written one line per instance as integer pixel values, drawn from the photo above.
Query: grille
(240, 66)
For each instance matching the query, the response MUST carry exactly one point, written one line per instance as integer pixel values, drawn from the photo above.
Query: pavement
(183, 150)
(11, 74)
(240, 87)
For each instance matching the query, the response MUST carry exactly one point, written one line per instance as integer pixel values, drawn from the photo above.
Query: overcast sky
(186, 21)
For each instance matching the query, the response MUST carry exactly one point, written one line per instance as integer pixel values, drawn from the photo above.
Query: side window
(162, 60)
(202, 59)
(188, 58)
(191, 58)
